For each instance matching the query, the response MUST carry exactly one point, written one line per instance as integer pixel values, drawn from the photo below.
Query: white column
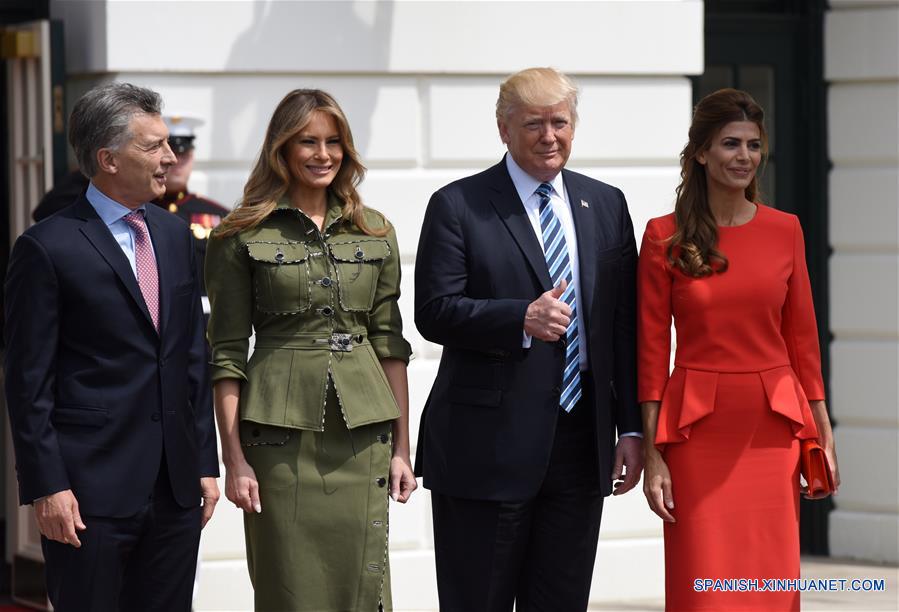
(862, 67)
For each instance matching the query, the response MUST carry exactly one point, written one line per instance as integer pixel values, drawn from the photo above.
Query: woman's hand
(402, 478)
(657, 485)
(831, 454)
(240, 479)
(241, 486)
(825, 439)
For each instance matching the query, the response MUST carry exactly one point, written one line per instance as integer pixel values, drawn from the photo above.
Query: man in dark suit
(106, 381)
(526, 275)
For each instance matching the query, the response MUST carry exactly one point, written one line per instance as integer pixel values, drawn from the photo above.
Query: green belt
(336, 341)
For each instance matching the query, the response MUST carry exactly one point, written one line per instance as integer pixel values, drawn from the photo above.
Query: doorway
(774, 49)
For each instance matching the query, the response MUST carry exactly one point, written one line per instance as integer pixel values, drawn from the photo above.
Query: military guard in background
(202, 214)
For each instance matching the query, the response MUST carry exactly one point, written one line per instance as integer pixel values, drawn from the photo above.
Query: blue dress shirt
(112, 213)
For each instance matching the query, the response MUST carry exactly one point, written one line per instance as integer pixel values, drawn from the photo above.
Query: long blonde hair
(270, 178)
(694, 246)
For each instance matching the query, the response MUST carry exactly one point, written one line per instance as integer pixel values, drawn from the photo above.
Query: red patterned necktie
(145, 262)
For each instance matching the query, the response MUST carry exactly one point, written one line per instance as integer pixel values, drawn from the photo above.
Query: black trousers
(537, 553)
(144, 562)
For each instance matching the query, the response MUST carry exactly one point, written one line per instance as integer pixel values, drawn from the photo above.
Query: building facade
(862, 70)
(418, 81)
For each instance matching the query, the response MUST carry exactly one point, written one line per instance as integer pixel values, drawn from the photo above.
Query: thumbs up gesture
(558, 290)
(548, 316)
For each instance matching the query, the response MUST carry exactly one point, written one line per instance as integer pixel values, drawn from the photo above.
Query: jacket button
(161, 362)
(327, 311)
(381, 482)
(326, 282)
(557, 390)
(255, 433)
(383, 438)
(154, 417)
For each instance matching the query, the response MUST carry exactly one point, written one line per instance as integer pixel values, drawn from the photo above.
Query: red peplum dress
(733, 409)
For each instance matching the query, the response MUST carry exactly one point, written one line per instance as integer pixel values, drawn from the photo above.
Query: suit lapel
(511, 212)
(585, 227)
(162, 249)
(95, 230)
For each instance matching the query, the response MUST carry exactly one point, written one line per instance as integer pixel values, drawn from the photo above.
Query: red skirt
(735, 483)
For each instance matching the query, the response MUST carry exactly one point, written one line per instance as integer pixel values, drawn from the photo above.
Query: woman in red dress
(723, 429)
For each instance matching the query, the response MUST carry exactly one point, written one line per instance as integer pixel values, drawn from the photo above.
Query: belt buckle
(341, 342)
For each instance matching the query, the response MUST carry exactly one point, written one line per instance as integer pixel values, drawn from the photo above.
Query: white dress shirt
(526, 185)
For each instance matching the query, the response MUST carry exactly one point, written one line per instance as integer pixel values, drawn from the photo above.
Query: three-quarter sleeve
(385, 324)
(229, 285)
(654, 316)
(799, 328)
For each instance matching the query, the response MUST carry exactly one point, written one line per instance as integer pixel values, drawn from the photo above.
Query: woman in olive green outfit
(314, 426)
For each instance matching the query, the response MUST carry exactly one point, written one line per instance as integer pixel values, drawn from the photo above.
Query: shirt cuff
(525, 340)
(631, 434)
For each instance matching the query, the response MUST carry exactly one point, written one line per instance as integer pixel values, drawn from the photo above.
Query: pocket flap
(277, 252)
(360, 250)
(91, 416)
(472, 396)
(260, 434)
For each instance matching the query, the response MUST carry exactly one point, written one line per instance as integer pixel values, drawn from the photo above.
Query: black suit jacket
(94, 394)
(488, 426)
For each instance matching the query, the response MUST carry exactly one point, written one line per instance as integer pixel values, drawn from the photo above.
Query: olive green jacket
(322, 304)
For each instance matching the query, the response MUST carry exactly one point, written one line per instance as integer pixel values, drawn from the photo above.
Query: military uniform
(315, 406)
(203, 216)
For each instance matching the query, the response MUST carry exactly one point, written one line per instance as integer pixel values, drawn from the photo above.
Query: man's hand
(210, 493)
(628, 455)
(58, 517)
(547, 317)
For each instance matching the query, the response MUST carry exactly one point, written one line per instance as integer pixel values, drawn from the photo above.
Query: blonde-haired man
(526, 275)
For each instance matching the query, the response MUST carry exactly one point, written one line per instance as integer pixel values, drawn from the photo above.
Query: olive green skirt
(320, 543)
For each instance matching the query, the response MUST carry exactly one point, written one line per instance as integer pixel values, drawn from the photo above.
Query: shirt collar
(335, 207)
(526, 185)
(107, 209)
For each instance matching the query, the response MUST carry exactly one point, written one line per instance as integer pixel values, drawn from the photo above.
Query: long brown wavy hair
(693, 248)
(270, 178)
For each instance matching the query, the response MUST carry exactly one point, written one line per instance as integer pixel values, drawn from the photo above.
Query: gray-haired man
(106, 380)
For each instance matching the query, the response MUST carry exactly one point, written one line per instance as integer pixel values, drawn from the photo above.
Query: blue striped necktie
(555, 250)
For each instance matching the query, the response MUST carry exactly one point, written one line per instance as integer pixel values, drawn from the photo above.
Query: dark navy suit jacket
(94, 394)
(488, 426)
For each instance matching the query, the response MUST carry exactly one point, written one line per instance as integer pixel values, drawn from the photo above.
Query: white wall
(418, 81)
(862, 66)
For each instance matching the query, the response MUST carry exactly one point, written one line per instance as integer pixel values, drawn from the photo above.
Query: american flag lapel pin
(584, 204)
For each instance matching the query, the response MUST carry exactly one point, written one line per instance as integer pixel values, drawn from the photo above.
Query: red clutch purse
(815, 469)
